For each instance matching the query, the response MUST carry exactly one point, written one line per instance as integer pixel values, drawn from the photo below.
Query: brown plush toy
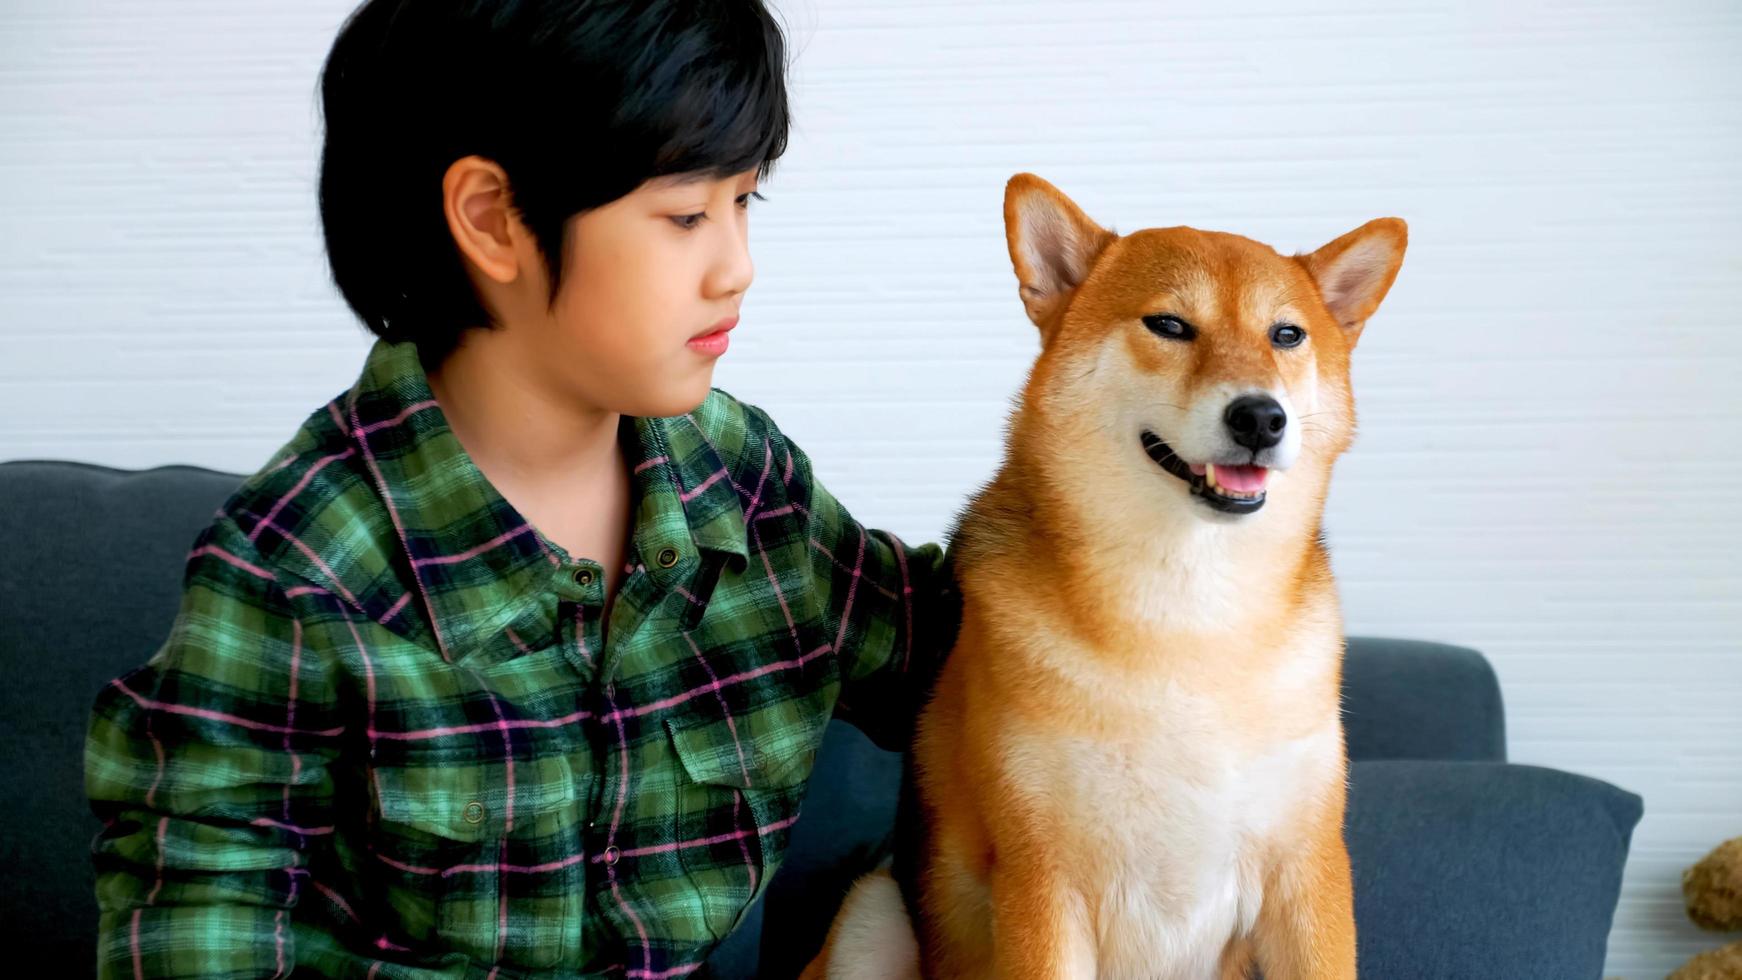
(1713, 892)
(1723, 963)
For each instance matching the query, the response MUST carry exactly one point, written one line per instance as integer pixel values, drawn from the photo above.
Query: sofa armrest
(1414, 699)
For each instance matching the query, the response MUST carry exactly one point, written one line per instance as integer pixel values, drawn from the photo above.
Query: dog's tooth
(1210, 474)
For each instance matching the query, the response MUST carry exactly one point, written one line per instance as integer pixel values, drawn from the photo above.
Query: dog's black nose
(1256, 421)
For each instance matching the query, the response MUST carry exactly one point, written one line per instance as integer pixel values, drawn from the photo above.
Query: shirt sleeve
(208, 768)
(893, 607)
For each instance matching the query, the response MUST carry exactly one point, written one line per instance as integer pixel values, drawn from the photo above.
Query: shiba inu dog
(1133, 762)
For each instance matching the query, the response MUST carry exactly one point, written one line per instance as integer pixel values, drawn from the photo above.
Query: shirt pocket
(738, 793)
(459, 870)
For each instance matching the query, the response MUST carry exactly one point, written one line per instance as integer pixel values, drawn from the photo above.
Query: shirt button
(583, 577)
(474, 812)
(667, 557)
(611, 856)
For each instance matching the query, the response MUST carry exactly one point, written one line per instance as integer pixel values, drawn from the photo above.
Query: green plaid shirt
(383, 738)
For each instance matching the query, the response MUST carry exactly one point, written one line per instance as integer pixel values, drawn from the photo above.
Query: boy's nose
(1255, 421)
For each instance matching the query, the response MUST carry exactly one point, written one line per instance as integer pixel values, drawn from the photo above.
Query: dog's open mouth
(1231, 489)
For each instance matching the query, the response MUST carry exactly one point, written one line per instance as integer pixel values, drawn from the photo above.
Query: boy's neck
(523, 436)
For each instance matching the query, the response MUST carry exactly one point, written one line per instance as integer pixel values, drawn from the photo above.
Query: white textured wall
(1547, 468)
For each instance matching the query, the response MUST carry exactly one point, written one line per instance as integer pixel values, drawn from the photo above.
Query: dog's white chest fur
(1180, 822)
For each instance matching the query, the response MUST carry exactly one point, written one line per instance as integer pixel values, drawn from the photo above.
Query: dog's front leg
(1306, 925)
(1040, 924)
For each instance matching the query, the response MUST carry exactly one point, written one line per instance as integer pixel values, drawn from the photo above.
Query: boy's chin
(679, 399)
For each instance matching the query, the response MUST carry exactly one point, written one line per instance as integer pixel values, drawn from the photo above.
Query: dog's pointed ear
(1356, 271)
(1053, 245)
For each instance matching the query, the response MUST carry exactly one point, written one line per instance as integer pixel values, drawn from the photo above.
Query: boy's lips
(715, 341)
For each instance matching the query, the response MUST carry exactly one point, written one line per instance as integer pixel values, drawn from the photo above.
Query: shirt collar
(480, 567)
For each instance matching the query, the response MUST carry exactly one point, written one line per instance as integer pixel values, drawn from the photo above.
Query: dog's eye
(1169, 326)
(1287, 335)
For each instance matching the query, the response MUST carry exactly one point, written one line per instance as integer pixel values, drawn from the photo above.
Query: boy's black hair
(579, 101)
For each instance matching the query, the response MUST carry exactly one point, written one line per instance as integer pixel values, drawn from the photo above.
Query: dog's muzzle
(1231, 489)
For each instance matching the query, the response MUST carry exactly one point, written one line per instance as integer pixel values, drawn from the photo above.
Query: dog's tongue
(1245, 479)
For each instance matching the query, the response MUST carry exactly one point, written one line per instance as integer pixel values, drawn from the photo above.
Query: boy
(513, 661)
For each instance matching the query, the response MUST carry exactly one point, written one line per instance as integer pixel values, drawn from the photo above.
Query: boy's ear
(478, 208)
(1053, 245)
(1356, 271)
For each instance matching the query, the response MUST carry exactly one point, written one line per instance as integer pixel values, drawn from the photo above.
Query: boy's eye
(690, 221)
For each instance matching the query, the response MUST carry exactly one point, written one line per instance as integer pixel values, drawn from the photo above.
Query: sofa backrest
(90, 579)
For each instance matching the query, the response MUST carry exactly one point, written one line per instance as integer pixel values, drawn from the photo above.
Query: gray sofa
(1465, 865)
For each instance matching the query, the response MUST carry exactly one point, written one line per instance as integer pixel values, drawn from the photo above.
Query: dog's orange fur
(1115, 633)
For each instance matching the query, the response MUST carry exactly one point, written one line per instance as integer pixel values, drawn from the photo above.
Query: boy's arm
(207, 766)
(894, 610)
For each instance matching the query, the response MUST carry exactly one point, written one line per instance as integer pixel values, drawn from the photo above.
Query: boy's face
(643, 276)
